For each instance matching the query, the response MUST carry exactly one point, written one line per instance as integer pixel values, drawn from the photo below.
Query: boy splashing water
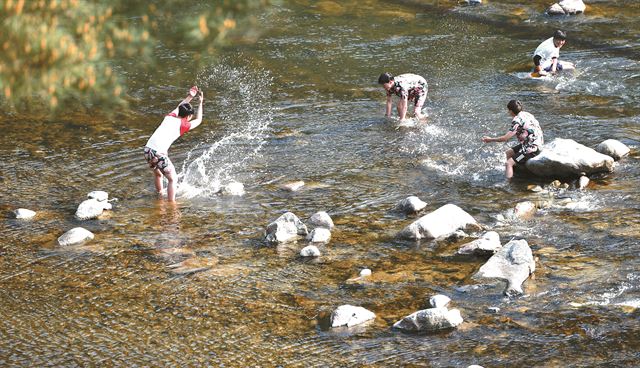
(175, 124)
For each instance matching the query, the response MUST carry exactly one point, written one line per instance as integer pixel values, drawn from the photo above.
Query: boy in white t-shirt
(546, 57)
(174, 125)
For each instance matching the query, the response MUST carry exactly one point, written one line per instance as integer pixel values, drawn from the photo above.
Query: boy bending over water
(409, 87)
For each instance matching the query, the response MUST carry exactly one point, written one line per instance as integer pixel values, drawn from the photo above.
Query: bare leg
(509, 164)
(171, 188)
(158, 180)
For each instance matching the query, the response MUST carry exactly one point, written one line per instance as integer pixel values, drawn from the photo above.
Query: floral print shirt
(527, 131)
(409, 86)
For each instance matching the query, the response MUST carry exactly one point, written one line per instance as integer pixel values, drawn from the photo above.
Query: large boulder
(75, 236)
(431, 319)
(568, 158)
(91, 208)
(487, 244)
(286, 228)
(440, 223)
(349, 315)
(513, 263)
(613, 148)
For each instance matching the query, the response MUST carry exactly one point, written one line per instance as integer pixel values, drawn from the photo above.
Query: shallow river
(302, 103)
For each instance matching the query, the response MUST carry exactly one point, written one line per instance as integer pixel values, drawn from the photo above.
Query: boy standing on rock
(527, 129)
(174, 125)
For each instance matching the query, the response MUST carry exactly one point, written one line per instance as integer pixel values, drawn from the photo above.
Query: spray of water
(244, 112)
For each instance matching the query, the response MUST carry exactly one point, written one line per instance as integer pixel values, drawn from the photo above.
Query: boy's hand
(193, 91)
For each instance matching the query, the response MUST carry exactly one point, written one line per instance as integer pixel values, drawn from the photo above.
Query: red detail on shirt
(185, 124)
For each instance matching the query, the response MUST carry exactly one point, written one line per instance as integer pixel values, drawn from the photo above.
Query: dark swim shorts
(520, 156)
(157, 160)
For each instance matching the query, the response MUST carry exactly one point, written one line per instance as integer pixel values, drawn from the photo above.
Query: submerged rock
(487, 244)
(349, 315)
(411, 205)
(24, 214)
(192, 265)
(431, 319)
(286, 228)
(567, 158)
(513, 263)
(75, 236)
(442, 222)
(321, 219)
(293, 186)
(613, 148)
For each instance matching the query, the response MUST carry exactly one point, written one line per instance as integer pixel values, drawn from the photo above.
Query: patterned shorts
(157, 160)
(521, 155)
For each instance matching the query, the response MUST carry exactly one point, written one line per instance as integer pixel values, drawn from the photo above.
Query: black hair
(185, 110)
(515, 106)
(559, 35)
(385, 78)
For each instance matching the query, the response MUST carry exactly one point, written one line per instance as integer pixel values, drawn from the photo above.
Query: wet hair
(185, 110)
(515, 106)
(385, 78)
(559, 35)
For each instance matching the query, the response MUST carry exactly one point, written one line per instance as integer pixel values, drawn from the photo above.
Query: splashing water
(243, 99)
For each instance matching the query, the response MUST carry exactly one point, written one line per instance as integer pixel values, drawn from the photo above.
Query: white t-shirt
(547, 51)
(171, 128)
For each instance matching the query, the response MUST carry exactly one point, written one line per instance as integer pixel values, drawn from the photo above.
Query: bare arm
(402, 108)
(195, 122)
(190, 95)
(503, 138)
(389, 105)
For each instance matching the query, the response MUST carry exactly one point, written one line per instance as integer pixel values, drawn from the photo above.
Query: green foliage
(54, 51)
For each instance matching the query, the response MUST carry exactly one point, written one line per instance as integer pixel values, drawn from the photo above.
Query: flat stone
(431, 319)
(440, 223)
(75, 236)
(24, 214)
(349, 315)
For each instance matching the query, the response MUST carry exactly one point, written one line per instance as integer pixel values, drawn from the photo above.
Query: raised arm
(195, 122)
(192, 93)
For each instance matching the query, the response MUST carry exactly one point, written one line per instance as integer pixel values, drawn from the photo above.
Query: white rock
(567, 158)
(365, 272)
(77, 235)
(475, 366)
(555, 9)
(233, 188)
(487, 244)
(583, 182)
(439, 301)
(494, 310)
(513, 263)
(24, 214)
(285, 228)
(411, 204)
(293, 186)
(442, 222)
(525, 210)
(613, 148)
(319, 235)
(349, 315)
(431, 319)
(310, 251)
(98, 195)
(91, 208)
(572, 6)
(321, 219)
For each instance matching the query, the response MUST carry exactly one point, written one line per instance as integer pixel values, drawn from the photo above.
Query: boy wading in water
(527, 129)
(546, 58)
(174, 125)
(409, 87)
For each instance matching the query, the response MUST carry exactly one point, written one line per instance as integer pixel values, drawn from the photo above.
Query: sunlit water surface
(302, 104)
